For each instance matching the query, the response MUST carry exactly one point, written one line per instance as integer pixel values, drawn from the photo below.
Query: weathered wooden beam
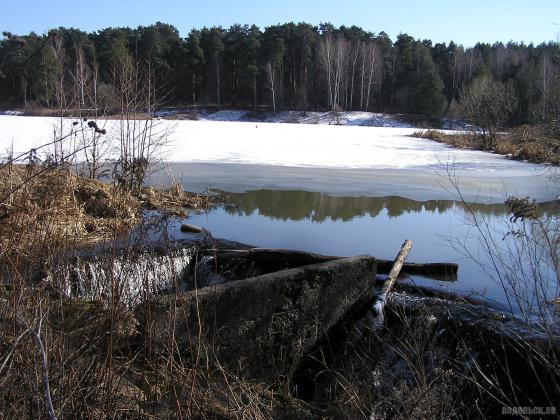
(440, 271)
(445, 270)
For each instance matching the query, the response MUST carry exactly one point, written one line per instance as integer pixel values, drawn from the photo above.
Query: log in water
(281, 257)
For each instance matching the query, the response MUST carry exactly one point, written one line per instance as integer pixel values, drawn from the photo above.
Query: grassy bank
(43, 209)
(536, 144)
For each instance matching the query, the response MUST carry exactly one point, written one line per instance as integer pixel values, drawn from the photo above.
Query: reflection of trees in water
(300, 205)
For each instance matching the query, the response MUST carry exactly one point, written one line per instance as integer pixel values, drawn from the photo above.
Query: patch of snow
(166, 112)
(226, 115)
(374, 120)
(11, 112)
(454, 124)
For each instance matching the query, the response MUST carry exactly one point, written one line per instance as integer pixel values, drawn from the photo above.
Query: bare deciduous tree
(354, 54)
(488, 105)
(270, 77)
(371, 55)
(326, 54)
(333, 55)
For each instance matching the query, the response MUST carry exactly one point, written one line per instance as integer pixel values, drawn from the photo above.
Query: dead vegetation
(174, 201)
(536, 144)
(44, 209)
(49, 209)
(94, 367)
(61, 355)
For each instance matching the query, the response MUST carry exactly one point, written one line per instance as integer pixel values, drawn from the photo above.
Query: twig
(44, 362)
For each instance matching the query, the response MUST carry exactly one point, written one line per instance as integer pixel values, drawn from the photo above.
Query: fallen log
(186, 228)
(275, 259)
(441, 271)
(381, 298)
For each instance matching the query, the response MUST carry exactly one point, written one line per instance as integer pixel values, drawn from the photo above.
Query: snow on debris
(359, 118)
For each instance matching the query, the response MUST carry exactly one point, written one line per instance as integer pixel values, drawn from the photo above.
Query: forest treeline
(286, 66)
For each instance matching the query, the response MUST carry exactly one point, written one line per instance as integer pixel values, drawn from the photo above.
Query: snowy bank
(366, 119)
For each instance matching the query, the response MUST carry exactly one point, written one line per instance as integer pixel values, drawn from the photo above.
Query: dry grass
(406, 369)
(459, 140)
(89, 352)
(174, 200)
(48, 209)
(98, 366)
(537, 144)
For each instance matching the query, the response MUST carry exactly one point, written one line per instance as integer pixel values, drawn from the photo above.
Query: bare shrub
(139, 136)
(522, 258)
(488, 105)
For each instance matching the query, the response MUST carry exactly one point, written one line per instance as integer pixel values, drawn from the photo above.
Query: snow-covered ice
(321, 146)
(378, 152)
(302, 145)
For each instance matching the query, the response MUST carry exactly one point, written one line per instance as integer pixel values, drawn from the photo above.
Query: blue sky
(465, 22)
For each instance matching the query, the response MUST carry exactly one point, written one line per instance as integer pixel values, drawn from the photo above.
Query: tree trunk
(218, 85)
(254, 92)
(194, 89)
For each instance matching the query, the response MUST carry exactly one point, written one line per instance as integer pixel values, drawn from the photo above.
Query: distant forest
(287, 66)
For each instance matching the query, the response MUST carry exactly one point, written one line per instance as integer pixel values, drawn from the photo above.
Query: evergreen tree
(195, 62)
(211, 41)
(282, 66)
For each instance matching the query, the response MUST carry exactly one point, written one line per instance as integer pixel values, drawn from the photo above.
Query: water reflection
(318, 207)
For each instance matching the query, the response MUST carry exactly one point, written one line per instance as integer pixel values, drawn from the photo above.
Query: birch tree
(269, 70)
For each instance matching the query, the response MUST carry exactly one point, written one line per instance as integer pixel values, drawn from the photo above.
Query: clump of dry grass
(460, 140)
(47, 209)
(537, 144)
(175, 200)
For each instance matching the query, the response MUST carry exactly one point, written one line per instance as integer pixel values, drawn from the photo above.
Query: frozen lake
(340, 160)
